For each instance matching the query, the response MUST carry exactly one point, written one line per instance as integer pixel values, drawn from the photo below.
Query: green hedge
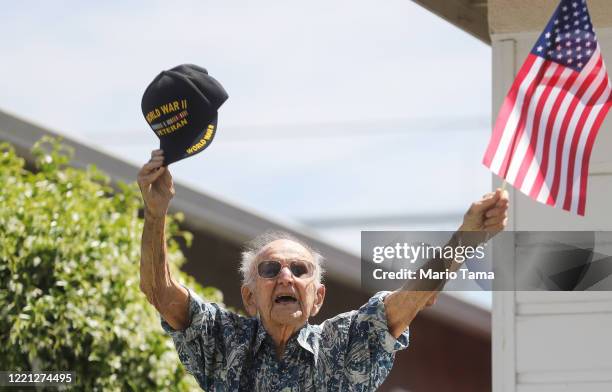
(69, 277)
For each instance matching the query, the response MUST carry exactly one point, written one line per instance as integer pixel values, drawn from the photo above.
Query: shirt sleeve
(206, 338)
(371, 349)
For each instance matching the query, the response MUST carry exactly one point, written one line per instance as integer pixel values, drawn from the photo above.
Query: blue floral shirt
(224, 351)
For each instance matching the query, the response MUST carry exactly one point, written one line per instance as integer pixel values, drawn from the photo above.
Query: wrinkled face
(285, 299)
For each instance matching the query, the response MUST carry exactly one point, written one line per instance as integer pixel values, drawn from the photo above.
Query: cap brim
(199, 143)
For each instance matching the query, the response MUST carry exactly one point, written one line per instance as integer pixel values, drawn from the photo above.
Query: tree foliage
(69, 277)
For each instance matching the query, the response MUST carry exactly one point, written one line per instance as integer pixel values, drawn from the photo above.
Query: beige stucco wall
(508, 16)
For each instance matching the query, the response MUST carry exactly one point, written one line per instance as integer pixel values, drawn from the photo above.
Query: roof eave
(469, 15)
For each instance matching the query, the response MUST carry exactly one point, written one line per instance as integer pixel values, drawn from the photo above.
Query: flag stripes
(539, 143)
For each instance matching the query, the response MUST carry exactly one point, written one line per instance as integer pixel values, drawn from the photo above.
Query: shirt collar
(305, 337)
(260, 337)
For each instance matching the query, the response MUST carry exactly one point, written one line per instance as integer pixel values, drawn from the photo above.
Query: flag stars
(563, 43)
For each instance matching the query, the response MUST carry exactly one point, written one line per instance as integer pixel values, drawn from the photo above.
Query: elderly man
(276, 349)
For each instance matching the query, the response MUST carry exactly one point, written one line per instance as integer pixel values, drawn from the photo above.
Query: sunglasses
(271, 269)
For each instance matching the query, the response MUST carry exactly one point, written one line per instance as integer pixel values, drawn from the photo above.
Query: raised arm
(488, 215)
(169, 298)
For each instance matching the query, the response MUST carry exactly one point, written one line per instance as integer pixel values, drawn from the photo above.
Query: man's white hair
(253, 247)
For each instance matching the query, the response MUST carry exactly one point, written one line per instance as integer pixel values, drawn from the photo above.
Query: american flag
(546, 127)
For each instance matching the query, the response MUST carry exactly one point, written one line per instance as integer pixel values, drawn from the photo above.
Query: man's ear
(318, 302)
(248, 299)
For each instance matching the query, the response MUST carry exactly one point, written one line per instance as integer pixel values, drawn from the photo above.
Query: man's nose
(285, 275)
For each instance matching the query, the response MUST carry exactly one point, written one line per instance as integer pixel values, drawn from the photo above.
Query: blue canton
(569, 38)
(224, 351)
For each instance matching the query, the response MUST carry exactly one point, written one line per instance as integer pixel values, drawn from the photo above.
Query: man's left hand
(489, 214)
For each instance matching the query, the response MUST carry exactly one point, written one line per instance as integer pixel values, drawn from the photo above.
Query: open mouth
(285, 299)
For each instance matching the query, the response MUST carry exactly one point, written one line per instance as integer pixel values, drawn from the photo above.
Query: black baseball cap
(181, 106)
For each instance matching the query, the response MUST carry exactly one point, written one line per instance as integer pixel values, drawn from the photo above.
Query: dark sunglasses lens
(299, 269)
(269, 269)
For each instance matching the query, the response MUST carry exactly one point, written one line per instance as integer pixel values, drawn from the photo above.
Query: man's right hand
(156, 186)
